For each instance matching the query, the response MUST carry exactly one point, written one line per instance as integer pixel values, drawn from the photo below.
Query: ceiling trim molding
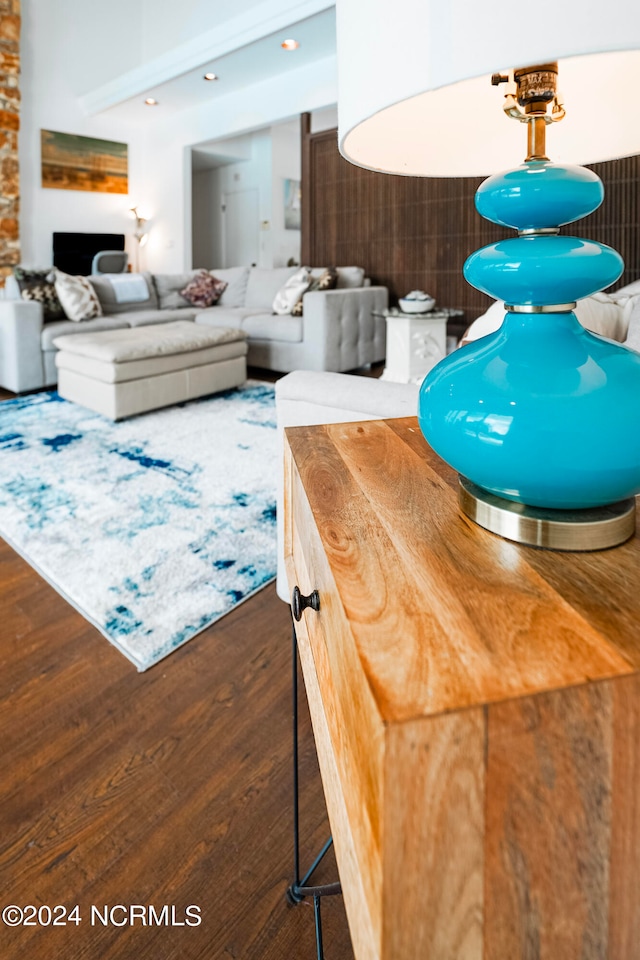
(260, 21)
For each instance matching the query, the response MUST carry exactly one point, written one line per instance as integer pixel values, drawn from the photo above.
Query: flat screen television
(74, 252)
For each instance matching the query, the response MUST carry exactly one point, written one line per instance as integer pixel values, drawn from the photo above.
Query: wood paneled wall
(416, 232)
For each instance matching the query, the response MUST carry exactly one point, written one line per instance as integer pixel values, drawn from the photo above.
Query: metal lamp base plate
(597, 528)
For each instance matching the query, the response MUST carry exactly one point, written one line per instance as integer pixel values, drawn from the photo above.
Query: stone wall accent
(9, 127)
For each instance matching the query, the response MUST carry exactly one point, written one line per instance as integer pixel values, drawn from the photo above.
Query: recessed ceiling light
(290, 44)
(150, 102)
(211, 76)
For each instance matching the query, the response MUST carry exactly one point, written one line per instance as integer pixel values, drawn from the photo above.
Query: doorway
(240, 228)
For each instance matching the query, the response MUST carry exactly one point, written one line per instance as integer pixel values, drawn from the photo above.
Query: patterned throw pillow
(326, 281)
(78, 298)
(204, 290)
(38, 285)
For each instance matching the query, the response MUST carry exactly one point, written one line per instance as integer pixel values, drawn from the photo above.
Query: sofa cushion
(204, 290)
(264, 284)
(59, 327)
(168, 287)
(632, 311)
(236, 279)
(269, 326)
(77, 297)
(600, 313)
(145, 318)
(224, 316)
(349, 277)
(629, 290)
(107, 297)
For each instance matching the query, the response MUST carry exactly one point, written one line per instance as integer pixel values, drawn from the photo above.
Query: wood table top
(444, 615)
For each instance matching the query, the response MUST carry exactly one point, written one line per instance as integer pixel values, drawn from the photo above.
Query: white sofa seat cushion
(225, 316)
(58, 328)
(138, 343)
(269, 326)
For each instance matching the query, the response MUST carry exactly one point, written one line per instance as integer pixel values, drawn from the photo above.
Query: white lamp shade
(414, 89)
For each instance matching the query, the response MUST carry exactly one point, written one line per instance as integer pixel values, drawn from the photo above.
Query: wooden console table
(476, 710)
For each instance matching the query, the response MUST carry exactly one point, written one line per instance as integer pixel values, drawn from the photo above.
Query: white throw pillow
(77, 297)
(288, 295)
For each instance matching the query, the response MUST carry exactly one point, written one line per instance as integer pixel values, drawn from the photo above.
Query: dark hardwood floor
(168, 787)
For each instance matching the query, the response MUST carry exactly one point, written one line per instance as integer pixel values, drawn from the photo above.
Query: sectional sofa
(340, 330)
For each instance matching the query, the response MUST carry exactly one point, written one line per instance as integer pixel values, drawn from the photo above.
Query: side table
(415, 342)
(475, 706)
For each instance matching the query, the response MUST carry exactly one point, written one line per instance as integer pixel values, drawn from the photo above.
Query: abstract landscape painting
(71, 162)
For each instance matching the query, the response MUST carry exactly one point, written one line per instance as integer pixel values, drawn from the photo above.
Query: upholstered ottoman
(123, 372)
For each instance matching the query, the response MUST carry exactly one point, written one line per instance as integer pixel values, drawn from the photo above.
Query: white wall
(164, 185)
(209, 190)
(67, 47)
(274, 157)
(60, 62)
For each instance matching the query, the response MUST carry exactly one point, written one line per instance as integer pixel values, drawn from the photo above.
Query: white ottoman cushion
(123, 372)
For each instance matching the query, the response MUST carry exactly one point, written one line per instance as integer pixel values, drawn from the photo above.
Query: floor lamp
(140, 234)
(540, 419)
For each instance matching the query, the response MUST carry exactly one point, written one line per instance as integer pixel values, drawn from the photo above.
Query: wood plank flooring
(168, 787)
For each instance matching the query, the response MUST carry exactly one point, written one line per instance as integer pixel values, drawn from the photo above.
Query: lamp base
(597, 528)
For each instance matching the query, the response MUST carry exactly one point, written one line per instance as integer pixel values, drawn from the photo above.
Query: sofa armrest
(340, 330)
(21, 366)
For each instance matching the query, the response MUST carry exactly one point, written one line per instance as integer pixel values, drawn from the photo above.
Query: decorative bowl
(416, 304)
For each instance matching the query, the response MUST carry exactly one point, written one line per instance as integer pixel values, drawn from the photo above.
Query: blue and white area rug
(152, 528)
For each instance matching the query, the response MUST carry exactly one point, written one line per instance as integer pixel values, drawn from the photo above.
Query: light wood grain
(548, 825)
(348, 729)
(624, 884)
(477, 712)
(492, 627)
(434, 838)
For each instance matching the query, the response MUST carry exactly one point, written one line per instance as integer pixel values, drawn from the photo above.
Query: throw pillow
(288, 295)
(326, 281)
(599, 313)
(38, 285)
(78, 298)
(204, 290)
(633, 332)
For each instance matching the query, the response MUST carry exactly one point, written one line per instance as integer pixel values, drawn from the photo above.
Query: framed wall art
(71, 162)
(292, 204)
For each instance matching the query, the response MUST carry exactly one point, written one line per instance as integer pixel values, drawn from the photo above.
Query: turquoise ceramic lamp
(541, 419)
